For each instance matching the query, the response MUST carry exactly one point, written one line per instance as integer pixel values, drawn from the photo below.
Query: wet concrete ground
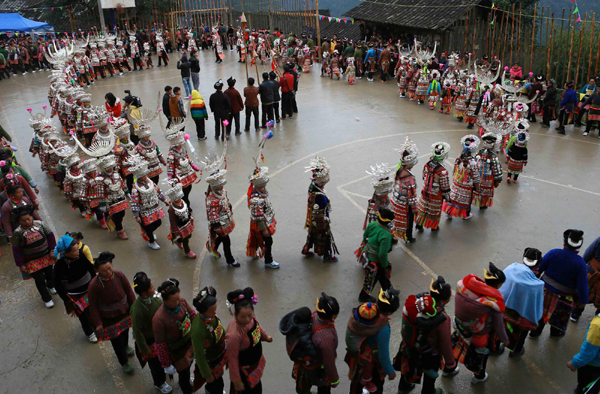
(45, 351)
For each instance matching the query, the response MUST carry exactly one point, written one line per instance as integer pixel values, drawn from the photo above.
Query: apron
(251, 360)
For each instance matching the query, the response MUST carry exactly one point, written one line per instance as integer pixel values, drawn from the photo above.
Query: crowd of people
(122, 171)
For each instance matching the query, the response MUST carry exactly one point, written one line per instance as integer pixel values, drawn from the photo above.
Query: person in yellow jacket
(133, 112)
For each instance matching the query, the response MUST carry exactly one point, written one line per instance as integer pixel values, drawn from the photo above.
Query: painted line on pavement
(432, 273)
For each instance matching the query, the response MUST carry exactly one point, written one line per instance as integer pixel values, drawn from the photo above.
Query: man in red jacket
(237, 105)
(287, 92)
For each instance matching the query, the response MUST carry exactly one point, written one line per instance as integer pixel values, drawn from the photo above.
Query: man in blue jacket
(587, 361)
(566, 106)
(564, 273)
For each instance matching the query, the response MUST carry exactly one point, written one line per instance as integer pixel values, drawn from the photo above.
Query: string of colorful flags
(576, 11)
(334, 19)
(43, 8)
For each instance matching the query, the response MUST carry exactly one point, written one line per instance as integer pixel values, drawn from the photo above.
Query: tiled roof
(421, 14)
(343, 30)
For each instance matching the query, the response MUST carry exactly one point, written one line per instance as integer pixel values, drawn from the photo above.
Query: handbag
(288, 87)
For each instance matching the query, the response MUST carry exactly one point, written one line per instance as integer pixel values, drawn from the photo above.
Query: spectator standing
(113, 105)
(176, 104)
(549, 102)
(567, 104)
(220, 107)
(251, 95)
(184, 65)
(199, 114)
(286, 82)
(276, 96)
(266, 97)
(237, 105)
(166, 108)
(195, 69)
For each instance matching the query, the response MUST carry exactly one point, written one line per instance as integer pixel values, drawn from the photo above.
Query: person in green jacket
(208, 341)
(378, 243)
(142, 312)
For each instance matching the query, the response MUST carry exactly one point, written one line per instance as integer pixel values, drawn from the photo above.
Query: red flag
(273, 66)
(578, 20)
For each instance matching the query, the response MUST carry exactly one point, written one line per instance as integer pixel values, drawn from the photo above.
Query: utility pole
(101, 12)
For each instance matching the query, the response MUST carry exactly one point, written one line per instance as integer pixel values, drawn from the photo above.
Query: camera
(136, 100)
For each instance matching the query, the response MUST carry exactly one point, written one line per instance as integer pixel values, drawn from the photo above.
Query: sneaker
(191, 255)
(369, 385)
(165, 388)
(128, 369)
(49, 304)
(92, 338)
(273, 265)
(153, 245)
(25, 73)
(585, 133)
(201, 138)
(450, 374)
(33, 71)
(468, 217)
(474, 379)
(122, 73)
(130, 351)
(234, 264)
(508, 180)
(52, 290)
(332, 259)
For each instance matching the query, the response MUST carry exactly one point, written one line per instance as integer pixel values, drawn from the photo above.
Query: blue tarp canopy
(15, 22)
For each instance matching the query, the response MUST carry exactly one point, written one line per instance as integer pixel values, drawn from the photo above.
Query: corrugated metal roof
(421, 14)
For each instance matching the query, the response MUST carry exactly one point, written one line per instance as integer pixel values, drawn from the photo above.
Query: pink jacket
(516, 73)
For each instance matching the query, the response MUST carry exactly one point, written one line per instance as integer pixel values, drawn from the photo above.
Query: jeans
(44, 280)
(200, 127)
(276, 110)
(219, 127)
(226, 241)
(286, 104)
(249, 112)
(215, 387)
(232, 117)
(86, 322)
(187, 85)
(157, 371)
(149, 229)
(267, 113)
(195, 80)
(184, 381)
(119, 345)
(586, 375)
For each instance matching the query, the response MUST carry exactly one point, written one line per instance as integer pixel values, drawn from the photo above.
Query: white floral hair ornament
(472, 145)
(383, 178)
(409, 154)
(440, 150)
(320, 170)
(212, 167)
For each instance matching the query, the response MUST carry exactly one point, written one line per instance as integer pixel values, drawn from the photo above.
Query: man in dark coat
(220, 106)
(265, 89)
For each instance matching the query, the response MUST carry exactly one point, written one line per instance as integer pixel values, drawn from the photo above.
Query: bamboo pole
(318, 40)
(532, 38)
(466, 29)
(570, 51)
(591, 47)
(505, 35)
(512, 33)
(597, 57)
(562, 21)
(487, 35)
(579, 50)
(519, 35)
(549, 49)
(547, 23)
(474, 36)
(499, 49)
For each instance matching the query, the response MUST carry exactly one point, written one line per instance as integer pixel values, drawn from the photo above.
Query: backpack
(298, 340)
